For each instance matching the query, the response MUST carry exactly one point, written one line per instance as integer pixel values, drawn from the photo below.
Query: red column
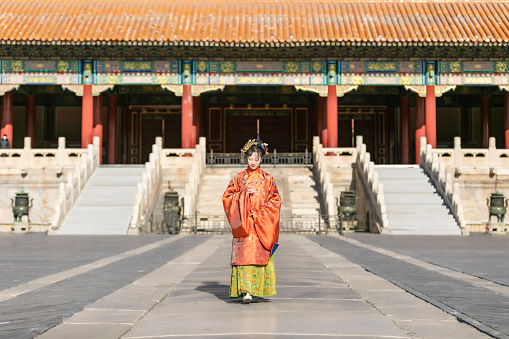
(332, 116)
(112, 130)
(87, 116)
(485, 121)
(404, 136)
(431, 116)
(420, 124)
(7, 116)
(97, 130)
(30, 118)
(187, 117)
(506, 118)
(197, 114)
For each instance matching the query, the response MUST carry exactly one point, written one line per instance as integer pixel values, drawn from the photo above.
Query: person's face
(254, 160)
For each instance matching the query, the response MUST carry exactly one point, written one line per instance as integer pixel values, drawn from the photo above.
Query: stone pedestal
(19, 227)
(498, 227)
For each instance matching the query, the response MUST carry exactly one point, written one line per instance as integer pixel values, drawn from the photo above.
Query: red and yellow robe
(254, 218)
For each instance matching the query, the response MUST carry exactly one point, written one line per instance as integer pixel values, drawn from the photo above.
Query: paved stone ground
(450, 281)
(177, 286)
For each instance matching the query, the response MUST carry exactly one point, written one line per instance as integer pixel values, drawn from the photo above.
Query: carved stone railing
(373, 189)
(22, 160)
(435, 163)
(195, 178)
(147, 190)
(76, 180)
(346, 155)
(325, 187)
(194, 160)
(474, 160)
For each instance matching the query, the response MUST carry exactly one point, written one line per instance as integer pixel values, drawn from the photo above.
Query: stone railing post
(448, 184)
(61, 154)
(423, 151)
(96, 152)
(76, 180)
(26, 155)
(434, 163)
(458, 156)
(492, 156)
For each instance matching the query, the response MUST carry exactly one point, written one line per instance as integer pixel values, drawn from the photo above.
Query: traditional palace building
(131, 70)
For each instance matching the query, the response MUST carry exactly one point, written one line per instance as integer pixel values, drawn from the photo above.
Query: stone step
(295, 185)
(412, 203)
(104, 207)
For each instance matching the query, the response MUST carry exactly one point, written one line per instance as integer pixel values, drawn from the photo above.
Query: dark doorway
(369, 122)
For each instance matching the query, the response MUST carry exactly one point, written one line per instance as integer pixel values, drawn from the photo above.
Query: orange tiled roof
(247, 22)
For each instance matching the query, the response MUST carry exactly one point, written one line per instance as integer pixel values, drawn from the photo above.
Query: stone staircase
(413, 205)
(303, 194)
(295, 185)
(105, 206)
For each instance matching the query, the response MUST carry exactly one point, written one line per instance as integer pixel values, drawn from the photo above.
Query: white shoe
(247, 299)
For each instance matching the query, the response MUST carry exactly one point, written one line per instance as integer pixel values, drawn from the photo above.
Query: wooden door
(368, 121)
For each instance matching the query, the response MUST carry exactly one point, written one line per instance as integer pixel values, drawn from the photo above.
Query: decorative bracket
(196, 90)
(439, 90)
(341, 90)
(96, 89)
(7, 88)
(320, 89)
(177, 89)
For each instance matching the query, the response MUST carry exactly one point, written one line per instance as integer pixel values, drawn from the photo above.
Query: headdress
(255, 142)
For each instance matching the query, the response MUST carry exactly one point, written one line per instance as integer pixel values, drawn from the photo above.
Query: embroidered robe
(254, 218)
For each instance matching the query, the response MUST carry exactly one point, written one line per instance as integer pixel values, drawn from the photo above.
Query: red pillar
(7, 116)
(30, 119)
(485, 121)
(332, 116)
(420, 125)
(404, 135)
(431, 116)
(87, 116)
(197, 113)
(97, 130)
(187, 117)
(112, 130)
(506, 118)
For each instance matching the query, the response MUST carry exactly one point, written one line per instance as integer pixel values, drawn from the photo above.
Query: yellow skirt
(257, 280)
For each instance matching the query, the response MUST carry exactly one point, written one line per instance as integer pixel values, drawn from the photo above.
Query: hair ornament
(253, 143)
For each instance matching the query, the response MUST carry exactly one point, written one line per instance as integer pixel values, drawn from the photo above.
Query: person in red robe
(252, 205)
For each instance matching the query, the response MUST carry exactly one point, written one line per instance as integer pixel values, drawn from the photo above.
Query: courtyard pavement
(159, 286)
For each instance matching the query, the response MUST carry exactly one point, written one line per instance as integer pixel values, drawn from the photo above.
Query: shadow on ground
(222, 292)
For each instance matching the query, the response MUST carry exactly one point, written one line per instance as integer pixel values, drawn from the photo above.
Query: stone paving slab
(320, 293)
(41, 307)
(480, 255)
(26, 257)
(183, 291)
(311, 301)
(478, 306)
(112, 309)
